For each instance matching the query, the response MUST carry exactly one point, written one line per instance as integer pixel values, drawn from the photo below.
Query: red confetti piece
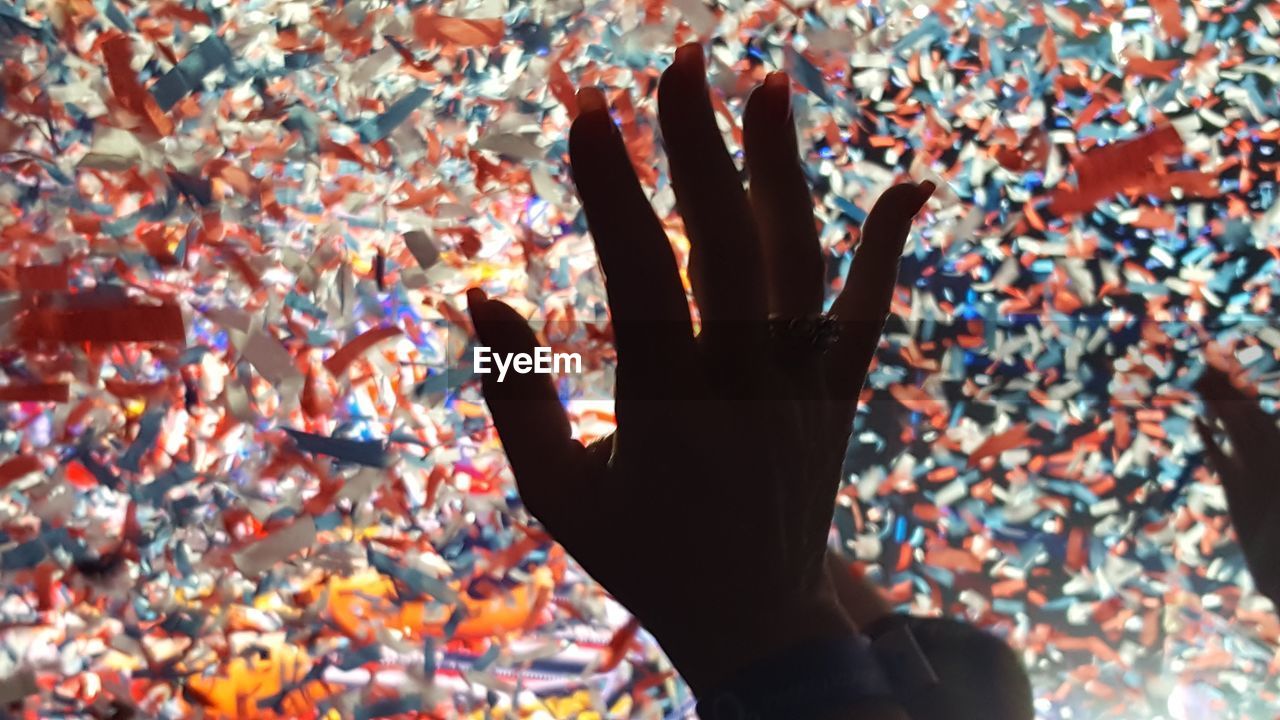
(1107, 170)
(1169, 13)
(17, 467)
(129, 323)
(43, 278)
(462, 32)
(563, 90)
(1014, 437)
(178, 12)
(36, 392)
(619, 644)
(350, 352)
(117, 50)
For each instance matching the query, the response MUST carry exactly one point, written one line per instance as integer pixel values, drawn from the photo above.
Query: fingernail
(690, 57)
(779, 86)
(590, 100)
(926, 191)
(475, 297)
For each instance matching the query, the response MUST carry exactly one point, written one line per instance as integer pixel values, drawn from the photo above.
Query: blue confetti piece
(488, 658)
(329, 521)
(429, 665)
(186, 76)
(113, 14)
(154, 491)
(352, 659)
(370, 453)
(148, 431)
(455, 619)
(807, 74)
(417, 580)
(378, 128)
(24, 556)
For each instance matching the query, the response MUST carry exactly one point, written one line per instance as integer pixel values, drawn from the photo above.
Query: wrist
(834, 677)
(711, 649)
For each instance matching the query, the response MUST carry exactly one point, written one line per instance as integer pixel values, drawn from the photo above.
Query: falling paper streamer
(382, 126)
(118, 52)
(277, 547)
(36, 278)
(431, 28)
(185, 77)
(348, 354)
(274, 362)
(1106, 170)
(116, 323)
(369, 453)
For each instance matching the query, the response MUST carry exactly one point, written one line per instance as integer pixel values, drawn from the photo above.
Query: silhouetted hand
(707, 511)
(1250, 474)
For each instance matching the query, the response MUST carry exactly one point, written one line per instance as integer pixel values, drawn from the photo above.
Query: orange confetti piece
(1014, 437)
(915, 398)
(562, 88)
(1105, 171)
(118, 53)
(463, 32)
(348, 353)
(952, 559)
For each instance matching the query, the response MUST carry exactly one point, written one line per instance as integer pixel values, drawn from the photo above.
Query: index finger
(650, 311)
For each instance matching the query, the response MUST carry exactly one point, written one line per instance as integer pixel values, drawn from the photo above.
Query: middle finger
(724, 264)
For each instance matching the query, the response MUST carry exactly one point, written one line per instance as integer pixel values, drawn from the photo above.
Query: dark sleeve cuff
(808, 680)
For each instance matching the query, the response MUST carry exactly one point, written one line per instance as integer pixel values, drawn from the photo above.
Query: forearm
(871, 710)
(709, 651)
(820, 670)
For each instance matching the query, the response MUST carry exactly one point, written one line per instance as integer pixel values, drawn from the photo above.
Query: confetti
(298, 536)
(110, 322)
(186, 76)
(370, 453)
